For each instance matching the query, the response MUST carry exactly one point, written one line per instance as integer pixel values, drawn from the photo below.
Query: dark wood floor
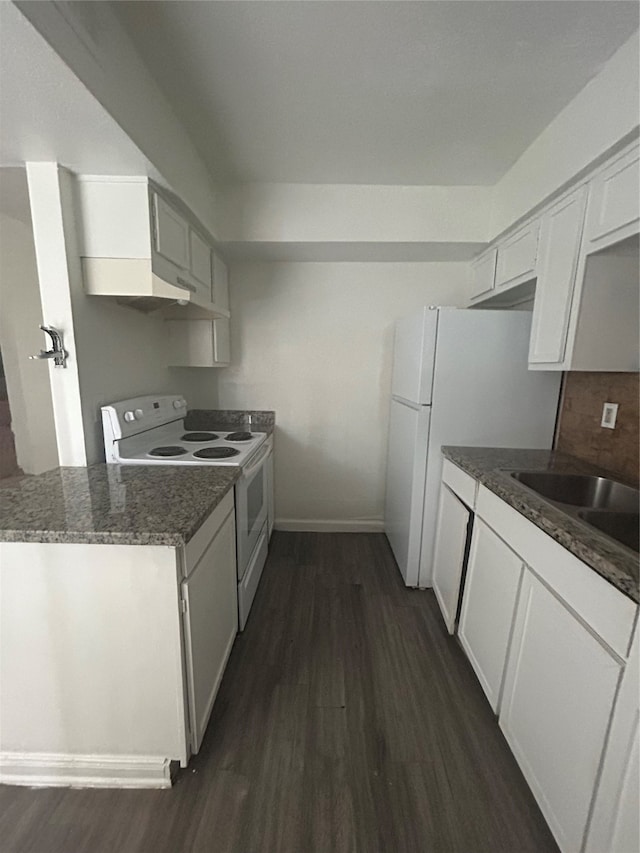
(348, 720)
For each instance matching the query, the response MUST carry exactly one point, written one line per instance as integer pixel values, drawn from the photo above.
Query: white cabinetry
(198, 342)
(171, 233)
(614, 205)
(484, 274)
(517, 256)
(449, 551)
(211, 624)
(558, 694)
(490, 593)
(615, 824)
(558, 260)
(587, 294)
(142, 245)
(550, 642)
(118, 679)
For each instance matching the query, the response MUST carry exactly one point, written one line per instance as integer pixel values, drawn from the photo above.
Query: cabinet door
(484, 271)
(488, 607)
(614, 205)
(614, 824)
(221, 341)
(171, 233)
(210, 624)
(201, 264)
(198, 343)
(560, 236)
(558, 694)
(517, 255)
(220, 283)
(448, 559)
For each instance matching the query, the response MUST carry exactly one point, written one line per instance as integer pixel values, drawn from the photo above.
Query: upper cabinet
(141, 245)
(560, 233)
(484, 273)
(517, 256)
(582, 255)
(614, 205)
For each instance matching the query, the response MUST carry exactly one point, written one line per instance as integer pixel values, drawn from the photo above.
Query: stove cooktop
(171, 445)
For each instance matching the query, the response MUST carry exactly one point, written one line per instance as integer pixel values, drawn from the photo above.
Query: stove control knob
(129, 417)
(178, 404)
(138, 414)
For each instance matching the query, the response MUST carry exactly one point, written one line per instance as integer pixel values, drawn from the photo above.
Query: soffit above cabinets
(371, 92)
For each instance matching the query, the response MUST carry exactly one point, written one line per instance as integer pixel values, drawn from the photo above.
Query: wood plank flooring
(348, 720)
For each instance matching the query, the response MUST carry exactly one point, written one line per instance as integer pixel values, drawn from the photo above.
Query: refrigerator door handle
(417, 407)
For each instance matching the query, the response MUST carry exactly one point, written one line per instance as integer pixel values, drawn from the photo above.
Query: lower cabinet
(491, 589)
(559, 690)
(448, 559)
(614, 823)
(210, 624)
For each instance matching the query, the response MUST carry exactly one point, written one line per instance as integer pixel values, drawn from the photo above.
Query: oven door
(252, 499)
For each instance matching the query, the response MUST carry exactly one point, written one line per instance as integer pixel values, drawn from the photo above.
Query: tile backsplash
(580, 433)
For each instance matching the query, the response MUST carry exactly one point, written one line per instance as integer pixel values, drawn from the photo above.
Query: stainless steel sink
(580, 490)
(624, 527)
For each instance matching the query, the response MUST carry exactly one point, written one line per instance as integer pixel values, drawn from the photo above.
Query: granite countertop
(114, 504)
(491, 466)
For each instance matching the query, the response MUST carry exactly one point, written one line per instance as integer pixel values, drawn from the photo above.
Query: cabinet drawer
(484, 271)
(460, 483)
(614, 204)
(517, 255)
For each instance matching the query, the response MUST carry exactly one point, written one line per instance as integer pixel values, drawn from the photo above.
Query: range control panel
(129, 417)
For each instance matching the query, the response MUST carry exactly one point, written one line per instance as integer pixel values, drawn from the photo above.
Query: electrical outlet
(609, 415)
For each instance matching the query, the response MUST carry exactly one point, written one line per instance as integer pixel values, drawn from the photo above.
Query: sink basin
(622, 526)
(580, 490)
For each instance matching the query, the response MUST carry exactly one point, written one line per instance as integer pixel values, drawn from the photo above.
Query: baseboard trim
(44, 770)
(332, 525)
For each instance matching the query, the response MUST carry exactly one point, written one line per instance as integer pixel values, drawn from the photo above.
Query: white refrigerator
(460, 377)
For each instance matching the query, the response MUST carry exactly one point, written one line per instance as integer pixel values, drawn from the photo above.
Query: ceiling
(403, 93)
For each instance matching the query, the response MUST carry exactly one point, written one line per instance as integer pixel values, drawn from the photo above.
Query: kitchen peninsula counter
(491, 467)
(114, 504)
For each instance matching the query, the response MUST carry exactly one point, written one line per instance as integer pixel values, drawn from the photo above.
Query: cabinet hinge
(183, 605)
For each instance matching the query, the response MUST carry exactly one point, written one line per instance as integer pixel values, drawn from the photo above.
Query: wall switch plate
(609, 415)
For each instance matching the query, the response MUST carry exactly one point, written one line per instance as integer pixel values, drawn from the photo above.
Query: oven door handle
(247, 472)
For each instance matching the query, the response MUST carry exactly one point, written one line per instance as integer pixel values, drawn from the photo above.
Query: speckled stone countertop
(220, 419)
(491, 467)
(114, 504)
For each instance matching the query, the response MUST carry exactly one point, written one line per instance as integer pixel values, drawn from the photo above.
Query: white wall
(359, 213)
(314, 342)
(20, 314)
(91, 41)
(602, 114)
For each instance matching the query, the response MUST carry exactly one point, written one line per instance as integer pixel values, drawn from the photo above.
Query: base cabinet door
(210, 596)
(559, 689)
(615, 823)
(488, 605)
(451, 539)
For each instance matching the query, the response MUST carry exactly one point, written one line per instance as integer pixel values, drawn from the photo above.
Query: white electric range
(150, 430)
